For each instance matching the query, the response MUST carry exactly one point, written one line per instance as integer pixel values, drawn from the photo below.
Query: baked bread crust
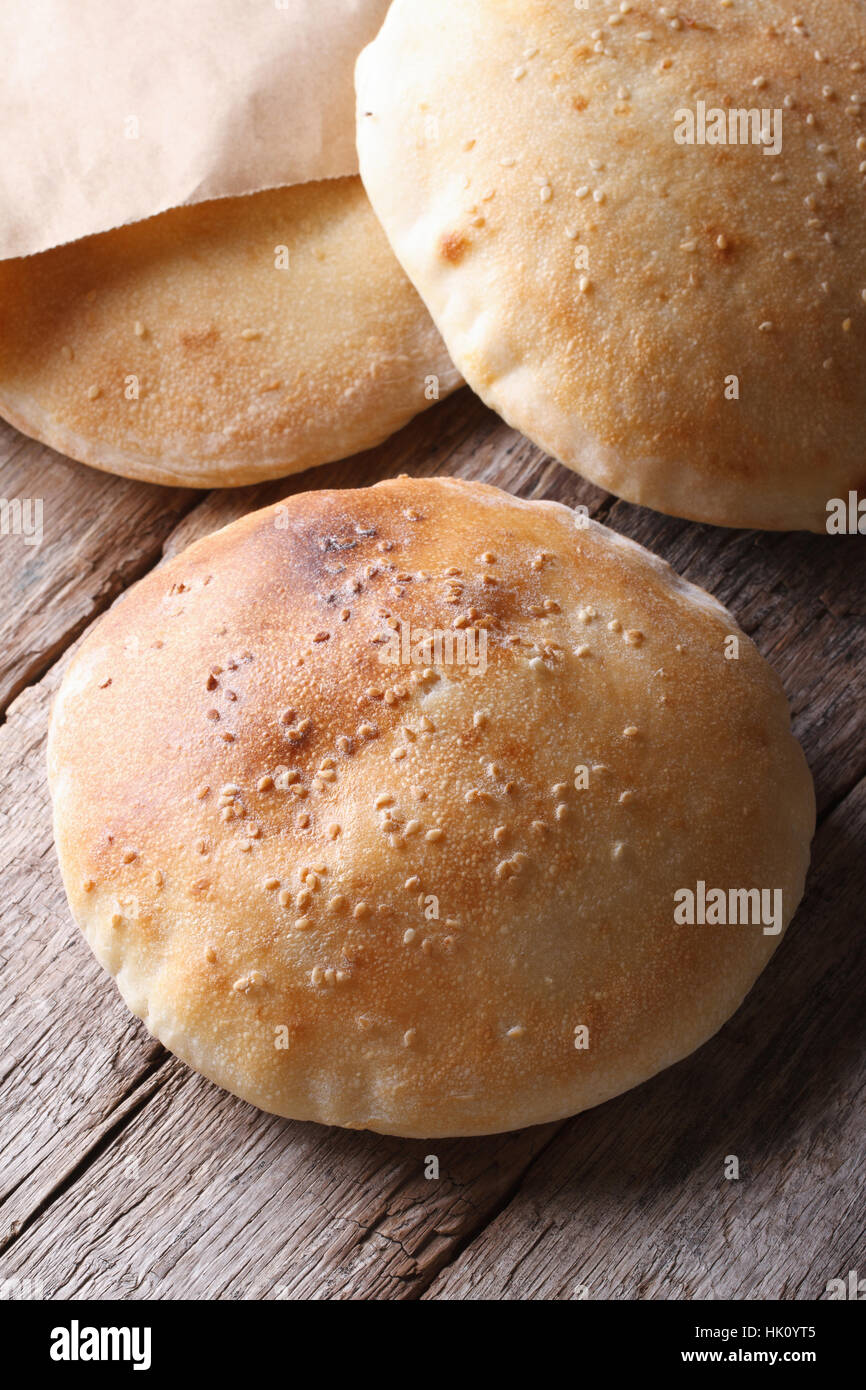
(231, 900)
(599, 284)
(244, 370)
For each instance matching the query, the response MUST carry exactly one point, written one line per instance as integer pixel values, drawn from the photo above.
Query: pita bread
(358, 873)
(220, 344)
(683, 324)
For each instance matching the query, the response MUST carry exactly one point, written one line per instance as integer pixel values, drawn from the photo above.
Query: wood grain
(71, 1053)
(99, 533)
(124, 1174)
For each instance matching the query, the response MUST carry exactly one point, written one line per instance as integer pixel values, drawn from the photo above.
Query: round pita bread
(357, 872)
(220, 344)
(682, 323)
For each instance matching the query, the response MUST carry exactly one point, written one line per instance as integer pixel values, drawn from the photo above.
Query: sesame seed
(248, 982)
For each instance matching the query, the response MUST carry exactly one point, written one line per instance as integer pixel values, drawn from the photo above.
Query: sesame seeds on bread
(358, 889)
(683, 324)
(220, 344)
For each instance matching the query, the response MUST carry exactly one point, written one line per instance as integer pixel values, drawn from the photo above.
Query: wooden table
(126, 1175)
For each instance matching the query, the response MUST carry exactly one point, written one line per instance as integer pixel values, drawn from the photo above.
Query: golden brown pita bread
(220, 344)
(683, 324)
(391, 894)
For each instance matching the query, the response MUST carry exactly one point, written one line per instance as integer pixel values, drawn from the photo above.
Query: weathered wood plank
(339, 1215)
(201, 1196)
(71, 1052)
(631, 1200)
(98, 534)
